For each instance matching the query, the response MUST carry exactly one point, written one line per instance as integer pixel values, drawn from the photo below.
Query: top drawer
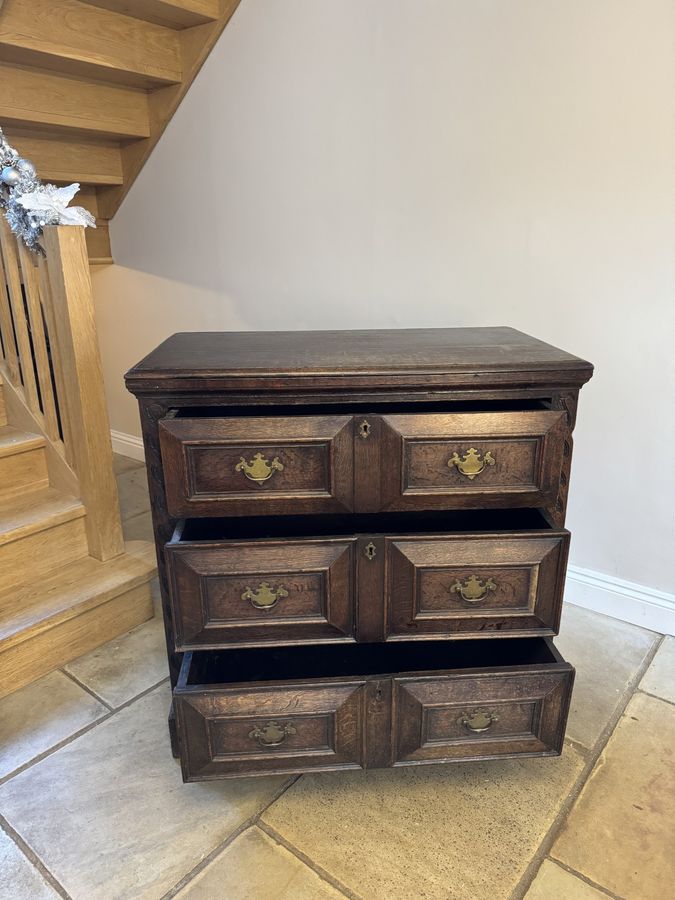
(280, 465)
(257, 465)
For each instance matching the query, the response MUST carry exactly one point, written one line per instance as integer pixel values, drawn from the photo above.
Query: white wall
(434, 162)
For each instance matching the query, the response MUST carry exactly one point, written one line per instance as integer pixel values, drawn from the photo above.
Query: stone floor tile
(128, 665)
(125, 463)
(554, 883)
(659, 678)
(109, 815)
(138, 528)
(619, 833)
(40, 715)
(254, 867)
(439, 832)
(132, 487)
(19, 879)
(607, 654)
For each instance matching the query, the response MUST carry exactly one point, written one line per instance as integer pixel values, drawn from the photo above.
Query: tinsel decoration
(29, 205)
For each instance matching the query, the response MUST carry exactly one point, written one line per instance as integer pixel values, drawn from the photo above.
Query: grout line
(87, 689)
(308, 861)
(230, 839)
(582, 877)
(33, 859)
(594, 755)
(640, 690)
(78, 734)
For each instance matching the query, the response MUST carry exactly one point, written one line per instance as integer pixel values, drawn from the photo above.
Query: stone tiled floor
(92, 805)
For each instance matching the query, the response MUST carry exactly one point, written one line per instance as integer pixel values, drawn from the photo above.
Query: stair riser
(41, 553)
(23, 471)
(54, 647)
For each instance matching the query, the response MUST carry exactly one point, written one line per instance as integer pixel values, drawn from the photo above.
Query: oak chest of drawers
(361, 544)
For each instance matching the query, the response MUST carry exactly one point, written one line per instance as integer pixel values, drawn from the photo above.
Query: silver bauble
(26, 167)
(10, 176)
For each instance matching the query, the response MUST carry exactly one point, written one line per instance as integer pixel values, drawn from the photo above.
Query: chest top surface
(416, 358)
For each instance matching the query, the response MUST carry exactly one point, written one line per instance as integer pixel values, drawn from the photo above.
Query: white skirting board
(605, 594)
(127, 445)
(621, 599)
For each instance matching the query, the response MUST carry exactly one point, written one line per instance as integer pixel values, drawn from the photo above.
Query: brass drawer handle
(473, 590)
(471, 464)
(478, 721)
(264, 597)
(271, 734)
(259, 469)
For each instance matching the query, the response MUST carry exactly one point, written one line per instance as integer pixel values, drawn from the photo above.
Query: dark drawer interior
(468, 520)
(362, 660)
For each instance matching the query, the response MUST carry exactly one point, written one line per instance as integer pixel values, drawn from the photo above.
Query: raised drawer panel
(480, 716)
(453, 585)
(257, 465)
(270, 729)
(470, 460)
(239, 593)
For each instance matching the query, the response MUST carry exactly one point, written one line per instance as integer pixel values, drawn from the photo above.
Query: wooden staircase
(87, 88)
(68, 581)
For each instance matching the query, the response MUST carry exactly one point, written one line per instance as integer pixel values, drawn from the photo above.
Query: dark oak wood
(214, 587)
(522, 575)
(418, 357)
(371, 720)
(205, 461)
(370, 587)
(355, 425)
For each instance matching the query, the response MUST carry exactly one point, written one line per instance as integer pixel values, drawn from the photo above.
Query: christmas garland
(29, 205)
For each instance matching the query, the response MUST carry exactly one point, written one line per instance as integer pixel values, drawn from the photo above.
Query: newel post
(86, 413)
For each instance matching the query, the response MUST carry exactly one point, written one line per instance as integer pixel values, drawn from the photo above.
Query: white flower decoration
(49, 204)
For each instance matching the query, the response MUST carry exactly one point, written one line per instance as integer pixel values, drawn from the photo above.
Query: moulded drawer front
(480, 715)
(441, 461)
(275, 729)
(478, 585)
(257, 465)
(239, 593)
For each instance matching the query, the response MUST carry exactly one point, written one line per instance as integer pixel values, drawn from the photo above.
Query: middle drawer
(423, 583)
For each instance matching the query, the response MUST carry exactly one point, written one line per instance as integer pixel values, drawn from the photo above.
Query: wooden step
(79, 39)
(38, 98)
(66, 159)
(3, 410)
(23, 464)
(51, 621)
(40, 530)
(172, 13)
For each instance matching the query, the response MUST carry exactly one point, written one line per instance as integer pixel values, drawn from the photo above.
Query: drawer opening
(469, 521)
(361, 660)
(350, 409)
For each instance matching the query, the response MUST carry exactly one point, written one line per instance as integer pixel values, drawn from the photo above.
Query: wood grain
(200, 458)
(77, 39)
(208, 580)
(76, 342)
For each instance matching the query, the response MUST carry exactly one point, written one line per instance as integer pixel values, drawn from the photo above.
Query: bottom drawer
(369, 705)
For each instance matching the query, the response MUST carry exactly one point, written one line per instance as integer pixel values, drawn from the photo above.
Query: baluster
(13, 281)
(7, 328)
(31, 284)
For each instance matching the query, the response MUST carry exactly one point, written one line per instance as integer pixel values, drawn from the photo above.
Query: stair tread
(75, 38)
(70, 158)
(172, 13)
(14, 440)
(77, 587)
(43, 99)
(36, 510)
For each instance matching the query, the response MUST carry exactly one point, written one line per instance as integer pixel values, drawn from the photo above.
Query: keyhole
(370, 550)
(364, 429)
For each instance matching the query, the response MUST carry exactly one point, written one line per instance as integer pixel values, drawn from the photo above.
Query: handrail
(50, 357)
